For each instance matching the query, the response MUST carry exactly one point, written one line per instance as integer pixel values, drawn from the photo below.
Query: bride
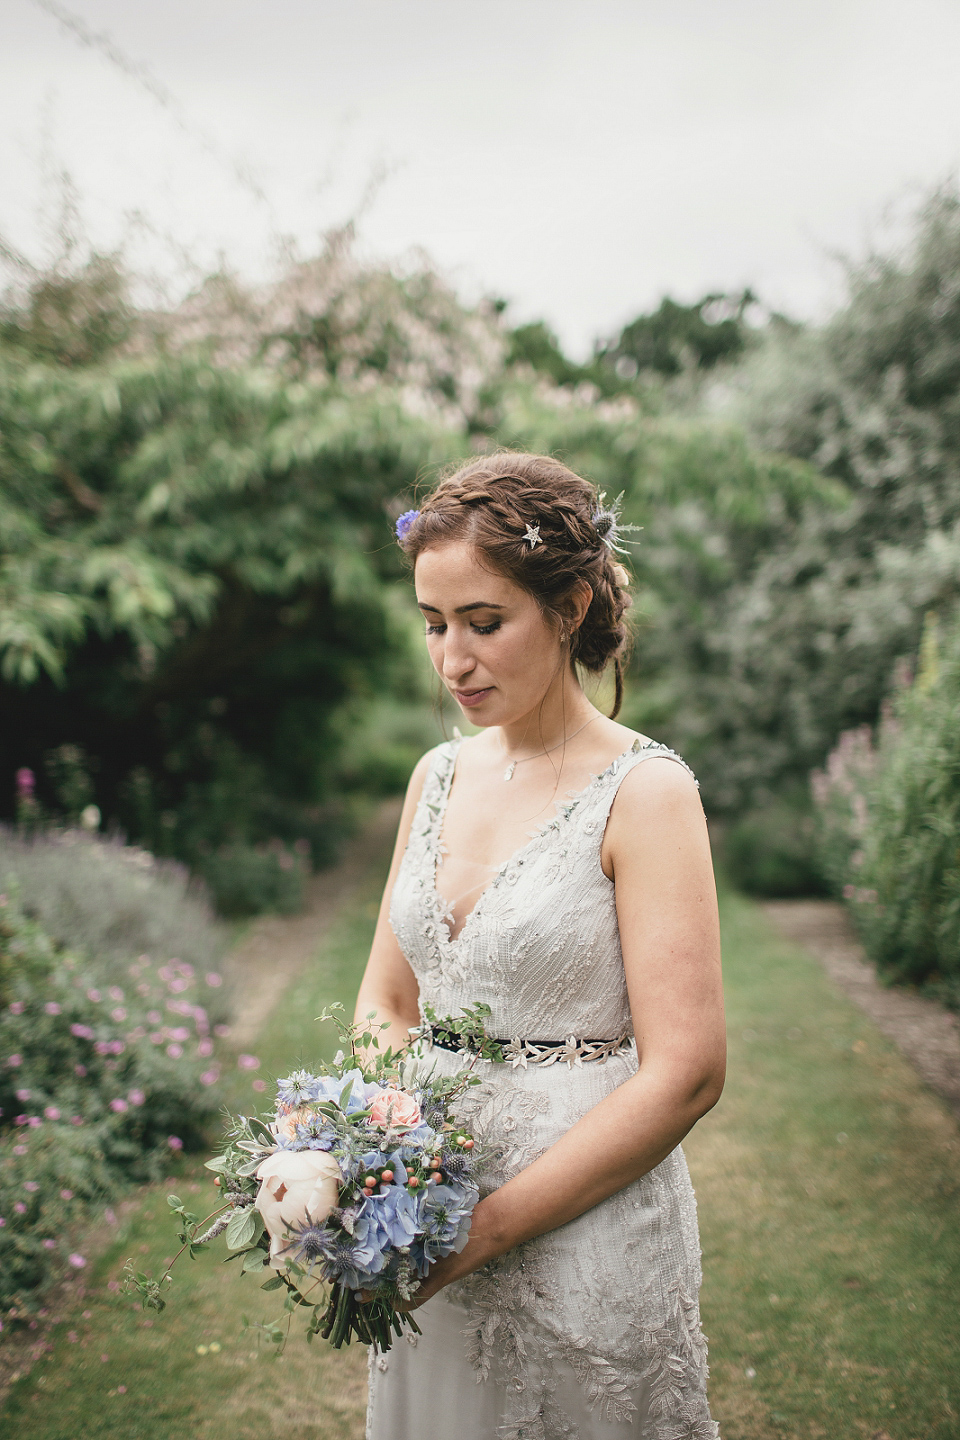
(556, 867)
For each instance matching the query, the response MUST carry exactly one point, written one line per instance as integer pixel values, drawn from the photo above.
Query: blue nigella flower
(404, 522)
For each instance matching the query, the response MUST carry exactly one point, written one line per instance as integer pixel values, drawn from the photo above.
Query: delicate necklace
(508, 773)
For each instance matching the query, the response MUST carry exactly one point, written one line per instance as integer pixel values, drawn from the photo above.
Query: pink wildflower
(93, 995)
(222, 1031)
(154, 1017)
(76, 1119)
(80, 1070)
(16, 1007)
(174, 1142)
(209, 1077)
(15, 1061)
(77, 1261)
(21, 1150)
(248, 1062)
(260, 1085)
(23, 1094)
(115, 992)
(52, 1113)
(136, 1097)
(214, 980)
(66, 1194)
(118, 1106)
(49, 1244)
(118, 1015)
(174, 1051)
(31, 1187)
(52, 1008)
(20, 1208)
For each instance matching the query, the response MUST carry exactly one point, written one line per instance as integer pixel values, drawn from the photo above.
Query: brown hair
(490, 502)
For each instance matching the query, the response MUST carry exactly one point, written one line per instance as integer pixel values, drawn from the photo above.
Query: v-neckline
(564, 810)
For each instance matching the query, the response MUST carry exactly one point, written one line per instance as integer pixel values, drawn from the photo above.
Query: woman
(556, 867)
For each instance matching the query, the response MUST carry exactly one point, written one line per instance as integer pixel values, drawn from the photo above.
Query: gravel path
(927, 1033)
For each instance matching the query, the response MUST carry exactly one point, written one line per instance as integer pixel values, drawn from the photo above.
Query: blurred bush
(891, 823)
(246, 879)
(112, 901)
(99, 1082)
(772, 851)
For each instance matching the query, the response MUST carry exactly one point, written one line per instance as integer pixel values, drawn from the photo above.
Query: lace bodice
(541, 946)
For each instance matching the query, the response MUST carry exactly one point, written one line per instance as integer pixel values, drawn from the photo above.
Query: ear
(577, 605)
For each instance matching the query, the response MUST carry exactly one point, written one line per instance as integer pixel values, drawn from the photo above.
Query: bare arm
(657, 848)
(389, 986)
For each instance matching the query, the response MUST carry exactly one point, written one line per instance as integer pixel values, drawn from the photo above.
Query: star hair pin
(606, 522)
(532, 536)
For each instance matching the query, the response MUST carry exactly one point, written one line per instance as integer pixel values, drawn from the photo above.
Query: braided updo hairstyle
(490, 502)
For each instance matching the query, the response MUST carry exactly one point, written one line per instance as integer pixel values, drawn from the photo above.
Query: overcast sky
(578, 157)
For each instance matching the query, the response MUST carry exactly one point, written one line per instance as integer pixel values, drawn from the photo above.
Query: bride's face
(488, 639)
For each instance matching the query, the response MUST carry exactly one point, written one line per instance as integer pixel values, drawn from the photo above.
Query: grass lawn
(828, 1182)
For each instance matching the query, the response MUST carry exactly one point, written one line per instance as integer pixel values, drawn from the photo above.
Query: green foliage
(247, 879)
(772, 851)
(197, 573)
(897, 806)
(871, 399)
(677, 337)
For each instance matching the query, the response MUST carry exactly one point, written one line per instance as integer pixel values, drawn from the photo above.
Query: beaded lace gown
(591, 1331)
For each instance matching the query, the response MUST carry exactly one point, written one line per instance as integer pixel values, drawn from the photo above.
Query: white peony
(297, 1188)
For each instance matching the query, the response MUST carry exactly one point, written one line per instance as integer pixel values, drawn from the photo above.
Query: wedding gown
(591, 1331)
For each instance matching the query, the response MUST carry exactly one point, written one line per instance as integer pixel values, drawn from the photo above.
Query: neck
(562, 710)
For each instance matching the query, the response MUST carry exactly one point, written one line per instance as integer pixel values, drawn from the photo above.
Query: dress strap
(639, 752)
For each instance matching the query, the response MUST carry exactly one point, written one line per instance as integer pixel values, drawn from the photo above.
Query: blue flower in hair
(404, 523)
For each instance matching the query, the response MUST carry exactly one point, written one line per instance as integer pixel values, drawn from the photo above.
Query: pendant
(508, 773)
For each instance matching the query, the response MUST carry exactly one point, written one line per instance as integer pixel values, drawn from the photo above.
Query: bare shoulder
(660, 787)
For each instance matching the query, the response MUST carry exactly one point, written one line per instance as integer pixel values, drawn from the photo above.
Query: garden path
(926, 1032)
(275, 948)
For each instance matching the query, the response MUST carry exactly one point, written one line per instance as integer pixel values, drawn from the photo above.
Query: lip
(469, 698)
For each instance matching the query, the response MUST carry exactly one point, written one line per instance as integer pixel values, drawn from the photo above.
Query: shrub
(772, 851)
(248, 879)
(112, 901)
(901, 800)
(97, 1083)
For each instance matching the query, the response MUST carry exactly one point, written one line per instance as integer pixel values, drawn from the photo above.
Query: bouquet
(356, 1183)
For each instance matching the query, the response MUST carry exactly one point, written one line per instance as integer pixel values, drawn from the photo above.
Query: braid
(493, 502)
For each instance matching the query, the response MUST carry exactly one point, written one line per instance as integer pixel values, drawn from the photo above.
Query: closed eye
(477, 629)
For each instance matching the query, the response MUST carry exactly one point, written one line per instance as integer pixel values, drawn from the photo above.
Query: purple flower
(93, 995)
(174, 1142)
(25, 782)
(118, 1106)
(16, 1008)
(15, 1061)
(136, 1097)
(214, 980)
(82, 1032)
(205, 1048)
(20, 1208)
(52, 1113)
(174, 1051)
(404, 522)
(23, 1094)
(118, 1015)
(209, 1077)
(77, 1261)
(49, 1244)
(248, 1062)
(52, 1008)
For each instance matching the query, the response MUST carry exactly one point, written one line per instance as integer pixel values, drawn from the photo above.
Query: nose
(458, 658)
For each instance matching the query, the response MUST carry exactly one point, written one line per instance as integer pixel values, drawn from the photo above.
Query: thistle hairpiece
(606, 522)
(404, 522)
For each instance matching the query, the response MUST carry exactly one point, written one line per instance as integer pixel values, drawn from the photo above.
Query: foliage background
(199, 592)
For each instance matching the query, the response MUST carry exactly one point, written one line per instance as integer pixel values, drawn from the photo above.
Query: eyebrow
(463, 609)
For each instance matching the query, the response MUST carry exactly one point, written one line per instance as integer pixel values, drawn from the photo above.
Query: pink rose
(297, 1188)
(394, 1109)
